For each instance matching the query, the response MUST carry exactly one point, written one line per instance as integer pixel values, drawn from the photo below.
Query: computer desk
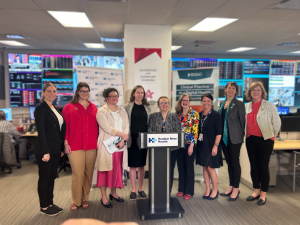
(29, 136)
(288, 145)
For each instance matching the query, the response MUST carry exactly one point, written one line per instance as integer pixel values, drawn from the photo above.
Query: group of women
(82, 130)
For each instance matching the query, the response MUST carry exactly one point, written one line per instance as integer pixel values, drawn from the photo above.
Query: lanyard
(163, 123)
(203, 119)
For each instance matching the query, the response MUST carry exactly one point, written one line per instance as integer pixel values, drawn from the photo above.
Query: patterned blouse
(189, 125)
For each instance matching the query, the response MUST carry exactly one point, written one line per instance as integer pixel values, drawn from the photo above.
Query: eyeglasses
(113, 96)
(164, 103)
(84, 92)
(185, 100)
(258, 90)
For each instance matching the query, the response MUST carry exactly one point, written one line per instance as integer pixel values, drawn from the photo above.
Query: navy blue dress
(211, 128)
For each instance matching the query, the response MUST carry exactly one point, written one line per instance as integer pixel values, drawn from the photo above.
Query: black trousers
(186, 171)
(232, 157)
(259, 152)
(172, 165)
(47, 175)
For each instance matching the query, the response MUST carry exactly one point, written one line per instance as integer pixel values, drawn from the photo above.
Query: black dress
(138, 123)
(211, 128)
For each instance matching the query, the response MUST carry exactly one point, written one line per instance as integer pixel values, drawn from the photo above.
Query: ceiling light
(94, 45)
(297, 52)
(175, 47)
(241, 49)
(13, 43)
(111, 40)
(288, 44)
(212, 24)
(14, 36)
(71, 19)
(204, 42)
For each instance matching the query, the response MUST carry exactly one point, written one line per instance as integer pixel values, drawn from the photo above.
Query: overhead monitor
(257, 66)
(231, 68)
(282, 90)
(282, 67)
(8, 113)
(31, 109)
(57, 61)
(24, 98)
(290, 124)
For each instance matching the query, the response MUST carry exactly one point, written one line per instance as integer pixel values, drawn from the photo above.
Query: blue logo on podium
(152, 140)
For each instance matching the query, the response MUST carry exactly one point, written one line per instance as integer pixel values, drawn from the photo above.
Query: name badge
(200, 138)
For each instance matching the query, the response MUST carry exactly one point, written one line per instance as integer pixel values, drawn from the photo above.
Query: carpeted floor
(19, 203)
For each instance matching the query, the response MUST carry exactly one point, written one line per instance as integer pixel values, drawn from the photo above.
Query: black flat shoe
(233, 199)
(117, 199)
(261, 202)
(107, 205)
(225, 195)
(251, 198)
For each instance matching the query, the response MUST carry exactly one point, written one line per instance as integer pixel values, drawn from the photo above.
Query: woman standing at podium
(208, 146)
(262, 124)
(49, 147)
(113, 122)
(81, 143)
(165, 121)
(138, 111)
(185, 156)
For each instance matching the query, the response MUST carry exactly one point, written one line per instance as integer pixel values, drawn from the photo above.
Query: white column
(148, 36)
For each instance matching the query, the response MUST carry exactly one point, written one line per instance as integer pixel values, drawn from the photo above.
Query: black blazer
(50, 138)
(236, 121)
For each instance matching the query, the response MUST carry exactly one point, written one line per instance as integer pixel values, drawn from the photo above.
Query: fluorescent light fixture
(14, 36)
(111, 40)
(288, 44)
(297, 52)
(212, 24)
(241, 49)
(94, 45)
(175, 47)
(12, 43)
(71, 19)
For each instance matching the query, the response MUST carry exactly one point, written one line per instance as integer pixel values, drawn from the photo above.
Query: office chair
(8, 155)
(63, 165)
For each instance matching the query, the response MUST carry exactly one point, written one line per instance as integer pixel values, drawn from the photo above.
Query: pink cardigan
(106, 130)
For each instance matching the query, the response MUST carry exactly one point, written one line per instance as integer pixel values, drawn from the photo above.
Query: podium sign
(162, 140)
(159, 205)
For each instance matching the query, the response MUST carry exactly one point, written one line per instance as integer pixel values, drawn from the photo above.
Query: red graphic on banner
(141, 53)
(149, 94)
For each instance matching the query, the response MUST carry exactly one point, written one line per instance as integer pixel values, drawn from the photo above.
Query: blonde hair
(44, 89)
(254, 85)
(178, 107)
(161, 98)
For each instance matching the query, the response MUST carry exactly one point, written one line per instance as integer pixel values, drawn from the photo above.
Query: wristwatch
(216, 144)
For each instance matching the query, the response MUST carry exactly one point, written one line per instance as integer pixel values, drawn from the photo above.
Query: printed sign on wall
(100, 79)
(148, 65)
(195, 82)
